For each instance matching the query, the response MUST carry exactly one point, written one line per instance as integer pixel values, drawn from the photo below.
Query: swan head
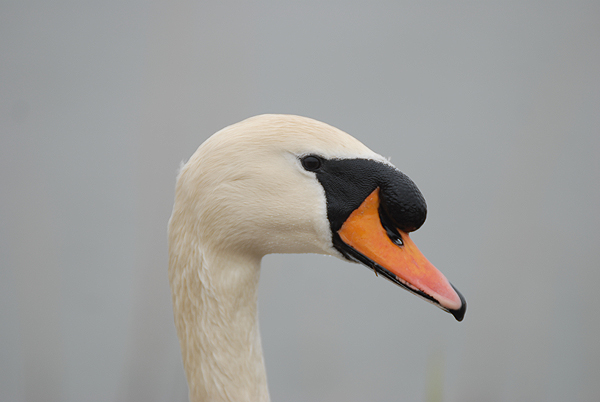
(289, 184)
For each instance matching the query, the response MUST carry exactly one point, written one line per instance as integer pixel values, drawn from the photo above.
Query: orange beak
(399, 260)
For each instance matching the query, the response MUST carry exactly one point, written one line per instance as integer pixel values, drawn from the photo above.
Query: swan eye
(311, 163)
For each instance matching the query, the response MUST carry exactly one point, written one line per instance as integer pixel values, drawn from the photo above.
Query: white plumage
(243, 194)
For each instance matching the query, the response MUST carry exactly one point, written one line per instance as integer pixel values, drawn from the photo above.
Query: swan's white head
(250, 190)
(289, 184)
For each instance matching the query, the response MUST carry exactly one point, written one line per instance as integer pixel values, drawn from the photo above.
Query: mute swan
(280, 184)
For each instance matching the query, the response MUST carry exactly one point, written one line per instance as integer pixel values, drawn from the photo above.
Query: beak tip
(459, 313)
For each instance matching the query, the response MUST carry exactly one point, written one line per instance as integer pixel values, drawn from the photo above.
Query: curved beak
(391, 253)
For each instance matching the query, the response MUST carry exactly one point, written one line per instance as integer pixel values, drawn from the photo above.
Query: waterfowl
(280, 184)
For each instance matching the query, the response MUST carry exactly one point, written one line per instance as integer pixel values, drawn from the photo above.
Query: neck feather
(215, 309)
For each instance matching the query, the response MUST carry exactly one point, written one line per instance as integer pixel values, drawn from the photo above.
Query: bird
(280, 184)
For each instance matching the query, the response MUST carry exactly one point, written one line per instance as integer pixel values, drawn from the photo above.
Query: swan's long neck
(215, 308)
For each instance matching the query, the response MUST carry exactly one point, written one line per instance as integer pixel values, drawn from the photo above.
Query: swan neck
(215, 308)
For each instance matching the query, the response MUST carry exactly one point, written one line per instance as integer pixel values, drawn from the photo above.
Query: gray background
(493, 108)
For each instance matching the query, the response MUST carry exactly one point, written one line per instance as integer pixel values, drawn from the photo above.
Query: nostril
(390, 229)
(397, 240)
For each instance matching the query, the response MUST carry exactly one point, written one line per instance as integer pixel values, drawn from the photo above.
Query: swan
(280, 184)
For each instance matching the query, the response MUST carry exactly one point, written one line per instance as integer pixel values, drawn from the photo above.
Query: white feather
(241, 195)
